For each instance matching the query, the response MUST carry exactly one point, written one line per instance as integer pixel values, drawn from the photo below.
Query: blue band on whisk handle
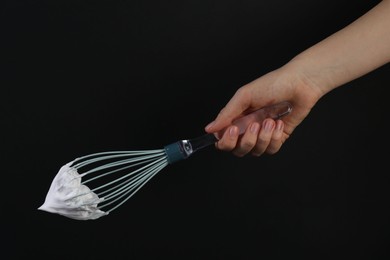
(184, 148)
(175, 152)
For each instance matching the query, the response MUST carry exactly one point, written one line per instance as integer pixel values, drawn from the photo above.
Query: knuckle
(248, 145)
(240, 91)
(259, 149)
(262, 140)
(239, 153)
(222, 111)
(224, 146)
(274, 147)
(256, 154)
(271, 150)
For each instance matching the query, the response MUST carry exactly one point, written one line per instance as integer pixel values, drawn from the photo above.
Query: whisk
(94, 185)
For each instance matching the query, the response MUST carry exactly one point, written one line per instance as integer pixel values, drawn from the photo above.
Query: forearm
(359, 48)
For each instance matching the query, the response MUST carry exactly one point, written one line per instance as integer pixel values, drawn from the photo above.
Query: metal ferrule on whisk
(178, 151)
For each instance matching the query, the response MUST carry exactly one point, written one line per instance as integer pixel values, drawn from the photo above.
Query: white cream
(68, 197)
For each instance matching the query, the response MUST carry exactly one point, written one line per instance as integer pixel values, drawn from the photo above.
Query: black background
(80, 77)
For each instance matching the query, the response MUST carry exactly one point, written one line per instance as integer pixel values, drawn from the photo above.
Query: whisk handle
(202, 142)
(275, 112)
(183, 149)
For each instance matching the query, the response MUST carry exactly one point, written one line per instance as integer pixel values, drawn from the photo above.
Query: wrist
(320, 79)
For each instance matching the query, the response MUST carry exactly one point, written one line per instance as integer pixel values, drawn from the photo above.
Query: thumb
(239, 103)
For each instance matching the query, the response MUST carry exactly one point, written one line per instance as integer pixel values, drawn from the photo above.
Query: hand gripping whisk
(94, 185)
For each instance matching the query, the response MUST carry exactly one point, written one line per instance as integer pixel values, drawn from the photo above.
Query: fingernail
(209, 126)
(268, 125)
(233, 131)
(255, 128)
(279, 126)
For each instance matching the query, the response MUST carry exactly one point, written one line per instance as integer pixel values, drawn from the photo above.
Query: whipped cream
(69, 198)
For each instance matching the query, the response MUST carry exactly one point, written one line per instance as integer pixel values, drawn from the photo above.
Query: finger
(248, 140)
(264, 137)
(276, 139)
(229, 139)
(233, 109)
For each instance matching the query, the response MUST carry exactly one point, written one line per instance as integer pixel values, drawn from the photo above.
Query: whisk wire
(97, 157)
(134, 178)
(129, 183)
(137, 183)
(129, 162)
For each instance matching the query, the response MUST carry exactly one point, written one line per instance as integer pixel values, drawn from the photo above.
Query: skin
(355, 50)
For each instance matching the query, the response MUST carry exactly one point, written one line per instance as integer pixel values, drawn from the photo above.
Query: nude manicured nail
(254, 128)
(279, 126)
(268, 125)
(233, 131)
